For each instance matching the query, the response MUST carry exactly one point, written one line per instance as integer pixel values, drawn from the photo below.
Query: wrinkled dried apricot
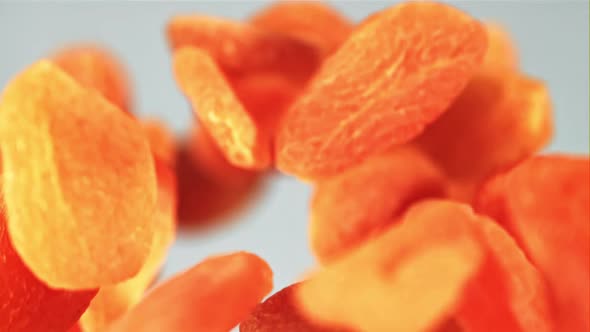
(280, 312)
(213, 296)
(509, 118)
(219, 110)
(392, 77)
(26, 303)
(544, 202)
(79, 172)
(313, 22)
(96, 68)
(394, 273)
(349, 208)
(113, 301)
(240, 49)
(508, 293)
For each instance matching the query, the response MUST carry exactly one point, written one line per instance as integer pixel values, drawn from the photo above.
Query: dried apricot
(26, 303)
(280, 312)
(213, 296)
(313, 22)
(80, 173)
(357, 204)
(96, 68)
(416, 269)
(240, 49)
(544, 202)
(392, 77)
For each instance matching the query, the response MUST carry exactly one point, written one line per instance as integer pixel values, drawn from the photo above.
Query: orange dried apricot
(80, 173)
(240, 49)
(203, 199)
(96, 68)
(501, 51)
(313, 22)
(508, 293)
(544, 202)
(349, 208)
(509, 117)
(213, 296)
(416, 269)
(392, 77)
(280, 312)
(113, 301)
(27, 303)
(220, 112)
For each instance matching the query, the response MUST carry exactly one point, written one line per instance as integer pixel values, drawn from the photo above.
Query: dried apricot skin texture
(416, 269)
(509, 116)
(544, 202)
(113, 301)
(26, 303)
(96, 68)
(313, 22)
(280, 312)
(508, 293)
(395, 74)
(219, 110)
(241, 49)
(79, 172)
(214, 296)
(349, 208)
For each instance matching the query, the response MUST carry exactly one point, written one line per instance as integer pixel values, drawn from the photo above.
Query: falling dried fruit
(96, 68)
(213, 296)
(219, 110)
(113, 301)
(79, 172)
(359, 203)
(393, 76)
(509, 117)
(501, 51)
(241, 49)
(281, 312)
(26, 303)
(508, 293)
(544, 202)
(204, 199)
(416, 270)
(313, 22)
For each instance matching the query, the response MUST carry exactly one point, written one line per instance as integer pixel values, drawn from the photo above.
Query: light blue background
(552, 37)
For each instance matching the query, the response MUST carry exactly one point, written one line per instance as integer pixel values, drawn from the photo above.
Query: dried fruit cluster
(415, 128)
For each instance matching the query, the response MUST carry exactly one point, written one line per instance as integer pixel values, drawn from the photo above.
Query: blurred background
(552, 37)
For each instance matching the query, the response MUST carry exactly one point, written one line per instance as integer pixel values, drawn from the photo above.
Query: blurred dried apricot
(501, 50)
(213, 296)
(203, 197)
(79, 172)
(509, 117)
(240, 49)
(544, 202)
(96, 68)
(313, 22)
(359, 203)
(280, 312)
(162, 141)
(392, 77)
(408, 279)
